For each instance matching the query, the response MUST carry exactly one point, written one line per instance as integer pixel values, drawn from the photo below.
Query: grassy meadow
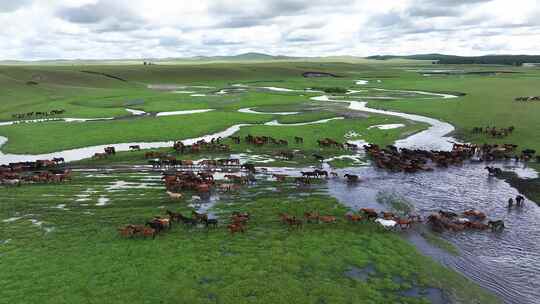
(74, 254)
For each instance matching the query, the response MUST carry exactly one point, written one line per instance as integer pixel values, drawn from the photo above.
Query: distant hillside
(242, 57)
(451, 59)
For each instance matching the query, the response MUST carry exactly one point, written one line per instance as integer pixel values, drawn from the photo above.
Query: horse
(100, 156)
(135, 148)
(284, 217)
(386, 224)
(309, 174)
(496, 225)
(404, 223)
(210, 222)
(494, 171)
(200, 217)
(520, 200)
(177, 217)
(239, 219)
(369, 213)
(158, 226)
(353, 218)
(234, 228)
(351, 178)
(311, 216)
(175, 196)
(327, 219)
(298, 140)
(475, 214)
(321, 173)
(279, 177)
(447, 214)
(387, 215)
(127, 231)
(294, 223)
(476, 225)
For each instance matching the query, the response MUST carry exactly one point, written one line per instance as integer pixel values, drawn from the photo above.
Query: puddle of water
(11, 219)
(123, 185)
(250, 111)
(387, 127)
(183, 92)
(277, 89)
(61, 207)
(136, 112)
(322, 121)
(103, 201)
(360, 274)
(186, 112)
(362, 82)
(433, 295)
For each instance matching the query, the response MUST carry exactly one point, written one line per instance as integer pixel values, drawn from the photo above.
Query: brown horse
(200, 217)
(353, 218)
(475, 214)
(327, 219)
(234, 228)
(370, 213)
(294, 223)
(404, 223)
(311, 217)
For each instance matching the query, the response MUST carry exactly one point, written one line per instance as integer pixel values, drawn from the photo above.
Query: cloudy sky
(99, 29)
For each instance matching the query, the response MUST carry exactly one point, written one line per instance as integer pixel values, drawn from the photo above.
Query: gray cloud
(440, 8)
(45, 29)
(98, 12)
(12, 5)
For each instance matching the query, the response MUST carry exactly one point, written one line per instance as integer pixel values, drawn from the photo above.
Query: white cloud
(95, 29)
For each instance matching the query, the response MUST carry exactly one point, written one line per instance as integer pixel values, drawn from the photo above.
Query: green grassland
(488, 100)
(76, 256)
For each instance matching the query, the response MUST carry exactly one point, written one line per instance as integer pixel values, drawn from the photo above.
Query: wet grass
(83, 260)
(441, 243)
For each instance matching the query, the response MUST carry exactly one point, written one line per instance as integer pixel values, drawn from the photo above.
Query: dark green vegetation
(81, 259)
(530, 187)
(516, 60)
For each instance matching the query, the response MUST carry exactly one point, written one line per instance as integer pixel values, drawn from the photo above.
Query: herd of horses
(494, 131)
(34, 115)
(411, 161)
(260, 141)
(468, 220)
(527, 98)
(160, 224)
(214, 145)
(238, 221)
(40, 171)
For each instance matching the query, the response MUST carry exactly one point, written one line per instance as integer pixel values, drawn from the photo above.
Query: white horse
(10, 182)
(387, 224)
(175, 196)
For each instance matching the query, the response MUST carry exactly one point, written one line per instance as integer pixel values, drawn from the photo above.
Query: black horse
(496, 225)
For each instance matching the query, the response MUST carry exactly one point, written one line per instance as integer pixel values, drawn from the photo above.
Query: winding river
(507, 263)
